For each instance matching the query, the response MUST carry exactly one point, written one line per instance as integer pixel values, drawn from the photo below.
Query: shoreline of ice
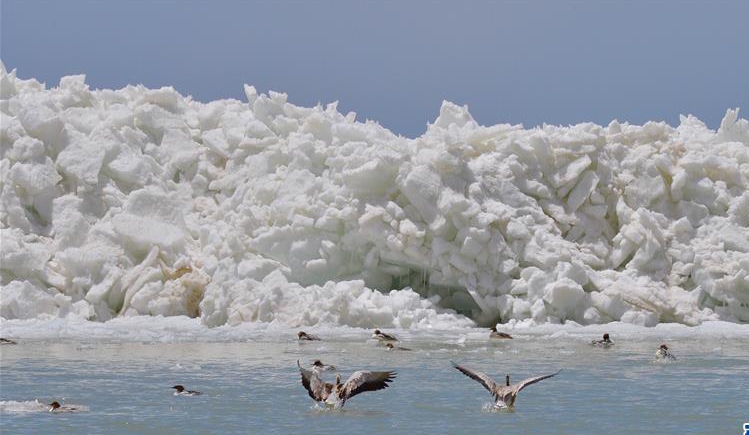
(178, 329)
(129, 202)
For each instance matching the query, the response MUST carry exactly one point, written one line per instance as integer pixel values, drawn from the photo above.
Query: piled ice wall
(141, 201)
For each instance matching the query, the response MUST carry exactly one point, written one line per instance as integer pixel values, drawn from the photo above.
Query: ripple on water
(21, 407)
(31, 406)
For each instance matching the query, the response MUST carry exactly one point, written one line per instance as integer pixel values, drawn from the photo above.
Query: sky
(394, 62)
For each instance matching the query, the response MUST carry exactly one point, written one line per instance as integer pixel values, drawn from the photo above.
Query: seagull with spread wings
(504, 395)
(337, 394)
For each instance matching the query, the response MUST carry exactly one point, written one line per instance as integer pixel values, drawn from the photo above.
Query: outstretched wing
(479, 377)
(524, 383)
(362, 381)
(312, 383)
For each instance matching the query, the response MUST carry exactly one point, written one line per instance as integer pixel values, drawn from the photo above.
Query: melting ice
(144, 202)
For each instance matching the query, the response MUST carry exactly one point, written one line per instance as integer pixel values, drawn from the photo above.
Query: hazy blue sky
(519, 62)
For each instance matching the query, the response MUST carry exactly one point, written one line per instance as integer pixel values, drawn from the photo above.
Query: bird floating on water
(336, 395)
(504, 395)
(605, 342)
(303, 336)
(182, 392)
(663, 354)
(391, 346)
(57, 407)
(318, 366)
(382, 336)
(7, 341)
(497, 334)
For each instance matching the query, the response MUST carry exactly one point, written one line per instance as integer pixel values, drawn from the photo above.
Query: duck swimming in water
(56, 407)
(382, 336)
(605, 342)
(182, 392)
(336, 395)
(663, 354)
(504, 395)
(496, 334)
(303, 336)
(318, 366)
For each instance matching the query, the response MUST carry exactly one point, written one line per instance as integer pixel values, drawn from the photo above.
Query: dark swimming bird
(382, 336)
(7, 341)
(663, 354)
(303, 336)
(504, 395)
(56, 407)
(182, 392)
(497, 334)
(336, 395)
(391, 346)
(606, 342)
(318, 366)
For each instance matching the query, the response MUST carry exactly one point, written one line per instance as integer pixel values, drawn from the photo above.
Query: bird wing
(362, 381)
(312, 383)
(479, 377)
(524, 383)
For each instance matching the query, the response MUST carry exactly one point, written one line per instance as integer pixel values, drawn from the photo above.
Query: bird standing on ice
(182, 392)
(382, 336)
(605, 342)
(663, 354)
(497, 334)
(504, 395)
(336, 395)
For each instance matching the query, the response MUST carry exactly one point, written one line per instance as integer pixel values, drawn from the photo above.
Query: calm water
(253, 387)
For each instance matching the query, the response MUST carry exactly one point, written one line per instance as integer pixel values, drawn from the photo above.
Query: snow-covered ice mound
(139, 201)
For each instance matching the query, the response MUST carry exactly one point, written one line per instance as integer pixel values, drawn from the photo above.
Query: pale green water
(253, 387)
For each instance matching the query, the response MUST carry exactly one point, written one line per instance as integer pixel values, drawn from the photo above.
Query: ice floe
(139, 201)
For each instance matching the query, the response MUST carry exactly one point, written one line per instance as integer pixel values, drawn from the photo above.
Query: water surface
(253, 386)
